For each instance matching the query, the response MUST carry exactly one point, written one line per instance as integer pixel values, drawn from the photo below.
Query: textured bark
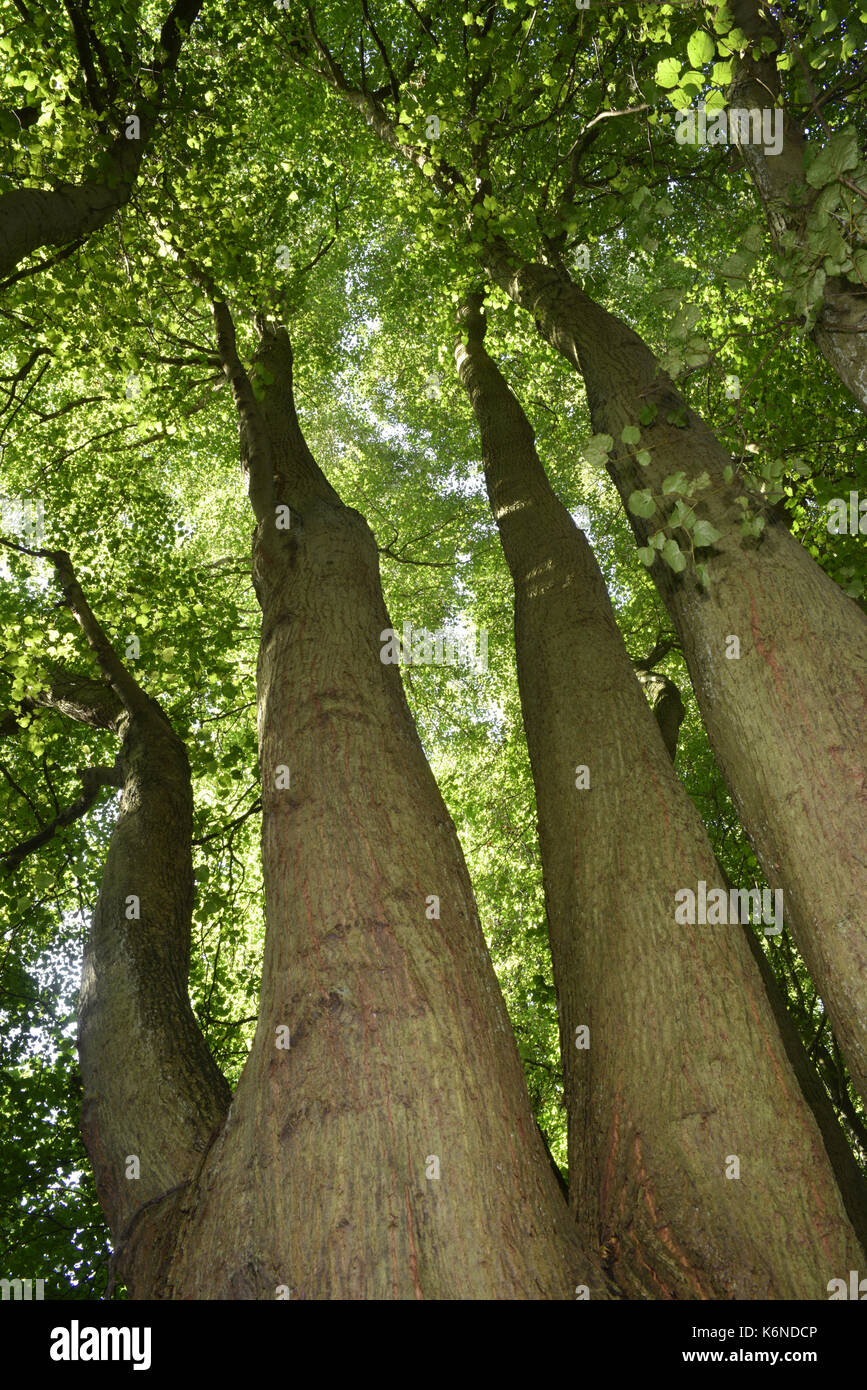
(35, 217)
(685, 1065)
(850, 1179)
(151, 1089)
(666, 702)
(401, 1053)
(840, 332)
(786, 720)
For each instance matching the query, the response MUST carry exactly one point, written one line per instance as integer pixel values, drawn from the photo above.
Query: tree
(808, 844)
(113, 90)
(806, 196)
(327, 844)
(636, 990)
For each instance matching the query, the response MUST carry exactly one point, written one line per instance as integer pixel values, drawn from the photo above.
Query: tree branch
(93, 780)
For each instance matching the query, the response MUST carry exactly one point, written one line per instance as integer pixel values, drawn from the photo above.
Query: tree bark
(35, 217)
(849, 1177)
(666, 702)
(388, 1151)
(685, 1066)
(786, 718)
(152, 1095)
(840, 331)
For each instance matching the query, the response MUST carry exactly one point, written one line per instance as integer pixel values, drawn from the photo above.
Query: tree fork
(381, 1130)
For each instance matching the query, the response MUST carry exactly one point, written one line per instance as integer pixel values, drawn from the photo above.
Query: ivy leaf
(646, 555)
(630, 434)
(682, 515)
(675, 482)
(691, 82)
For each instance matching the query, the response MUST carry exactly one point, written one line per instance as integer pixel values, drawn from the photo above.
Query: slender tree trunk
(152, 1095)
(850, 1179)
(685, 1070)
(666, 702)
(840, 331)
(34, 217)
(380, 1143)
(786, 716)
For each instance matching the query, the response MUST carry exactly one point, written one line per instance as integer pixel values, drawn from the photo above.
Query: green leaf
(643, 457)
(682, 514)
(840, 154)
(701, 48)
(675, 482)
(630, 434)
(667, 72)
(691, 81)
(641, 503)
(646, 555)
(597, 449)
(674, 556)
(704, 533)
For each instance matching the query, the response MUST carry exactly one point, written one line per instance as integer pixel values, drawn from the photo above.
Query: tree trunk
(786, 717)
(380, 1144)
(685, 1070)
(840, 331)
(152, 1094)
(850, 1179)
(666, 702)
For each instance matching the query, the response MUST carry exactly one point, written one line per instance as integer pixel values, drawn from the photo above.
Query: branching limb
(93, 780)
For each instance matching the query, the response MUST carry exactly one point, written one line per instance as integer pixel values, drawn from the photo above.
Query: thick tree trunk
(840, 332)
(685, 1067)
(383, 1147)
(35, 217)
(786, 717)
